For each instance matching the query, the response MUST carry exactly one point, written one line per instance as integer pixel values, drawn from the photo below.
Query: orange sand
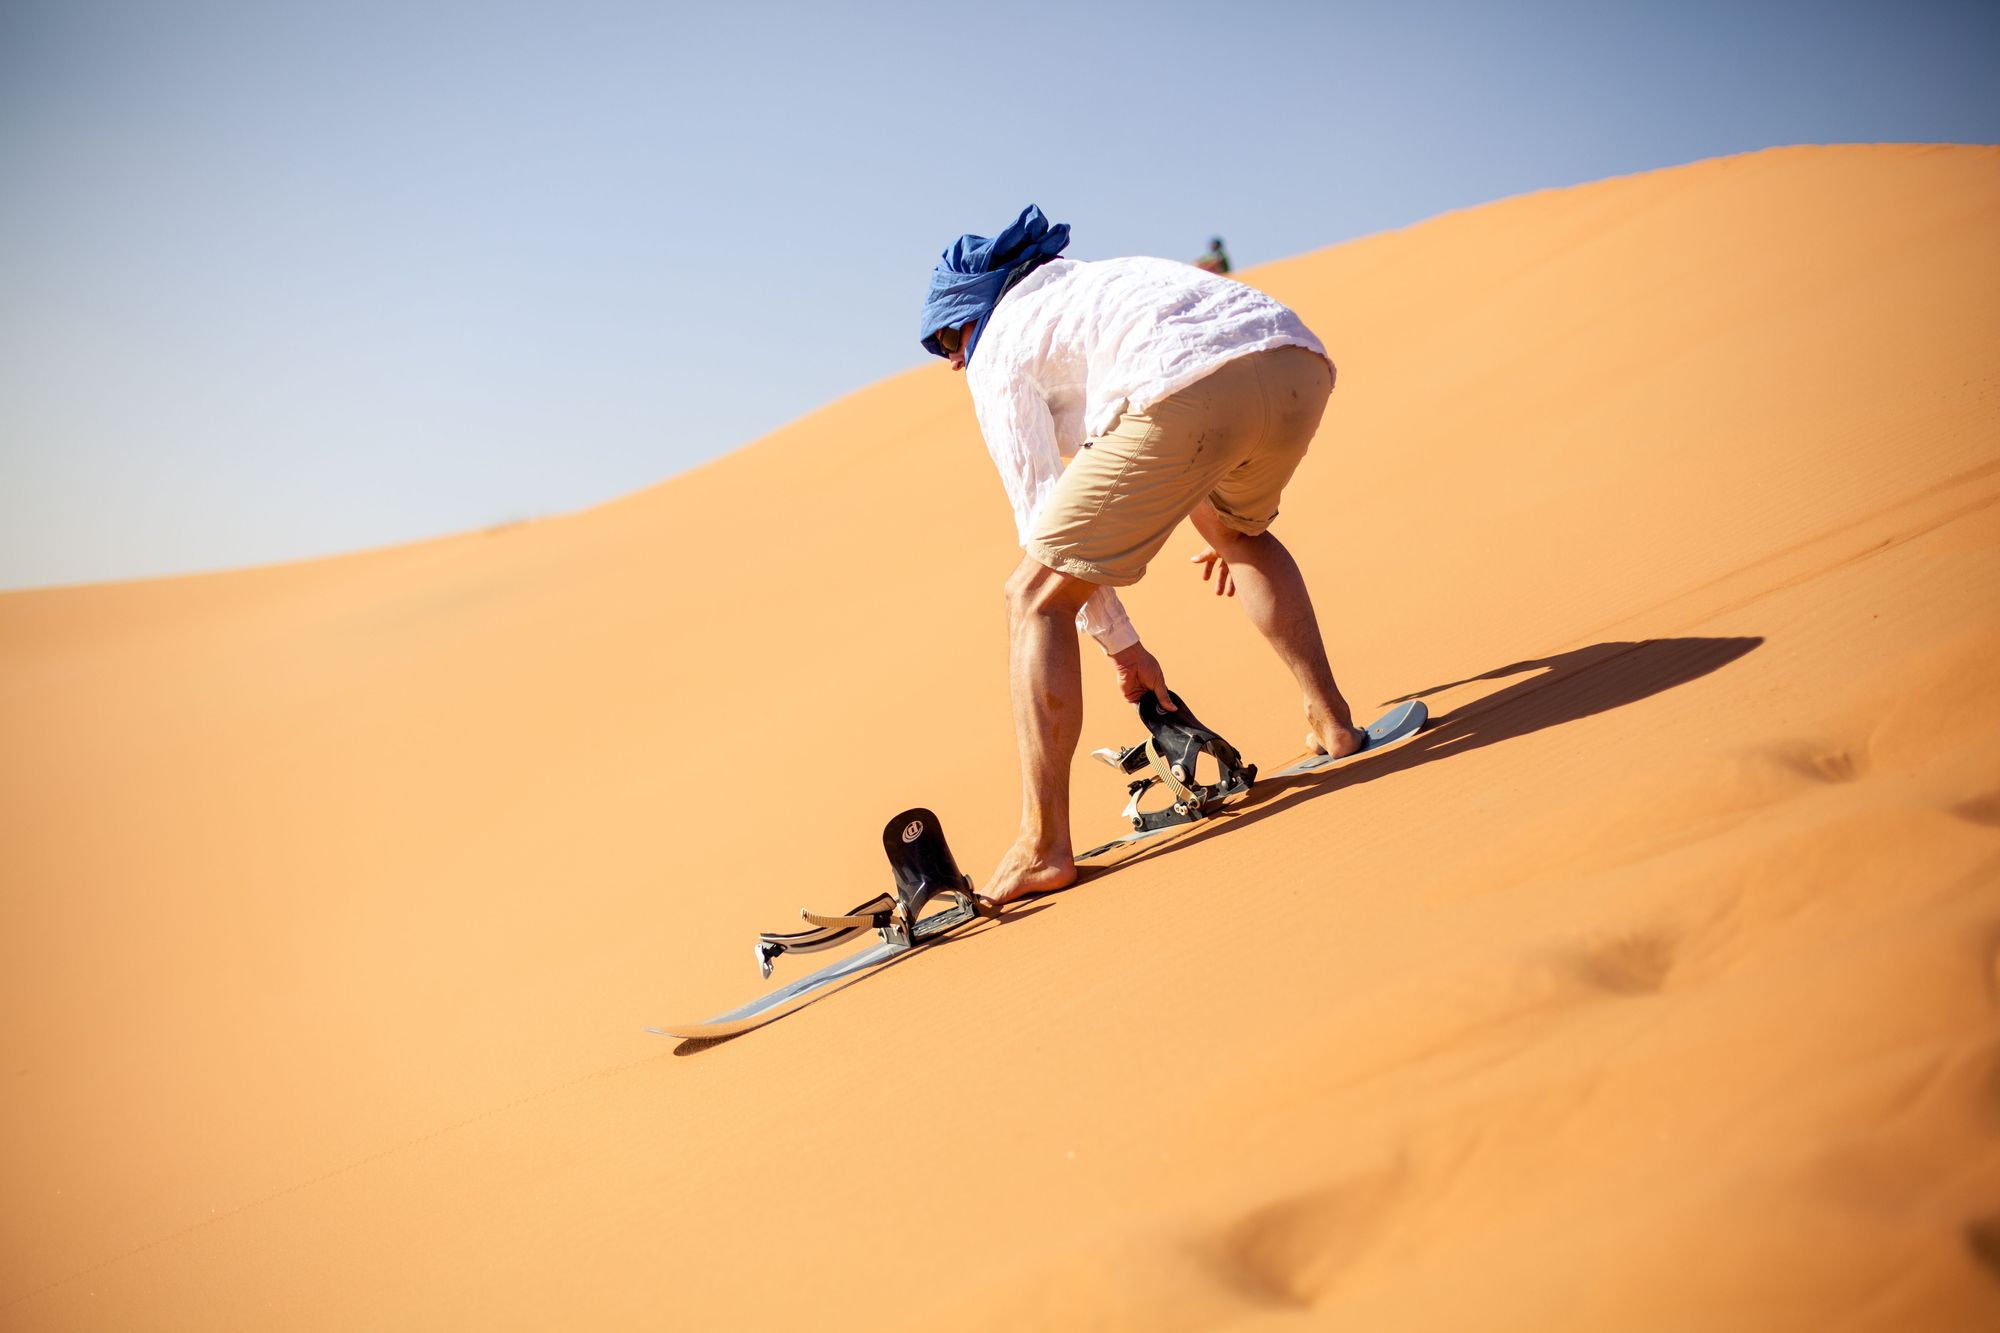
(1654, 988)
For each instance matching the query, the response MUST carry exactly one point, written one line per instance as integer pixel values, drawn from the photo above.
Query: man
(1216, 260)
(1179, 395)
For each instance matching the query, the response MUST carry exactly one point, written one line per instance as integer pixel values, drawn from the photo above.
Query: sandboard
(798, 994)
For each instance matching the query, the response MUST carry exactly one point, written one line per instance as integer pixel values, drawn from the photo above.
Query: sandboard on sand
(797, 994)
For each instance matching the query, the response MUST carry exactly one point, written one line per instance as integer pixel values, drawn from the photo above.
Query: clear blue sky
(280, 279)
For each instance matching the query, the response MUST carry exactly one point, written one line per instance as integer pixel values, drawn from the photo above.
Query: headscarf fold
(975, 271)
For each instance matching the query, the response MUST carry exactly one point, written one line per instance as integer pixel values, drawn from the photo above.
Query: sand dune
(1653, 987)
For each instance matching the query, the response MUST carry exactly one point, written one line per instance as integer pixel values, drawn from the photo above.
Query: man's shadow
(1564, 688)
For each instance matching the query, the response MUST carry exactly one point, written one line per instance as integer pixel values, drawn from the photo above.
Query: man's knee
(1033, 589)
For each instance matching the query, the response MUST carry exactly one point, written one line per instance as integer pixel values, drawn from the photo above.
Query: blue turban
(972, 273)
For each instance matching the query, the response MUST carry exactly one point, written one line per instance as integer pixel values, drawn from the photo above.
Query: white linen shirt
(1076, 344)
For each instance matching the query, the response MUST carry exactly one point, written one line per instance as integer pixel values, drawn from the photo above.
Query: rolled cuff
(1103, 618)
(1078, 569)
(1113, 640)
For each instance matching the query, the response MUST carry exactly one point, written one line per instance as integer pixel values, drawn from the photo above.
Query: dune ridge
(1652, 987)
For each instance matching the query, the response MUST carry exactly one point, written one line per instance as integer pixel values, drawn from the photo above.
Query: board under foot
(1399, 723)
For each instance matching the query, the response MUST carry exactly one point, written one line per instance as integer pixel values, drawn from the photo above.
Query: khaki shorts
(1232, 438)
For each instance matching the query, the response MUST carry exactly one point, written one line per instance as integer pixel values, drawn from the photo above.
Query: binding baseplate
(924, 869)
(1175, 741)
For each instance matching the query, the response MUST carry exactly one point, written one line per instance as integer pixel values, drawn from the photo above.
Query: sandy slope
(1654, 988)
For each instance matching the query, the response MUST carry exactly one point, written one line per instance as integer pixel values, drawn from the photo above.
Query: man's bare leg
(1045, 676)
(1273, 591)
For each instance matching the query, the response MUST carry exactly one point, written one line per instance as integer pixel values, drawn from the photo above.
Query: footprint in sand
(1292, 1250)
(1983, 809)
(1635, 963)
(1820, 762)
(1982, 1237)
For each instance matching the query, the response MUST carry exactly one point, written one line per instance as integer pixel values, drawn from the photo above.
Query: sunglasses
(949, 338)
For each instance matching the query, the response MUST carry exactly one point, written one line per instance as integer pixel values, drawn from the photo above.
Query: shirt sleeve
(1103, 618)
(1020, 434)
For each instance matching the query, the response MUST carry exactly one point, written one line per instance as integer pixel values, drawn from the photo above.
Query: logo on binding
(913, 830)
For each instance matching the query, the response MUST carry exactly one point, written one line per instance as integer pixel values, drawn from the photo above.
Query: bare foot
(1024, 871)
(1337, 737)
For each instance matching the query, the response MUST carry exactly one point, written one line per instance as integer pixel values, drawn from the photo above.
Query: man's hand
(1138, 672)
(1211, 563)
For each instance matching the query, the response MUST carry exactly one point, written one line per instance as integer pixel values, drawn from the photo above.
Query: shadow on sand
(1565, 688)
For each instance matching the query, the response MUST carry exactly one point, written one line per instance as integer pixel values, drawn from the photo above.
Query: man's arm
(1021, 437)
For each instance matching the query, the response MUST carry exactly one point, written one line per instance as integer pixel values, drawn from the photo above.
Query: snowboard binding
(924, 869)
(1174, 743)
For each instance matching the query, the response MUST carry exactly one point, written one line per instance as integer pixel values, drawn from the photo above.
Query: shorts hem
(1078, 569)
(1249, 527)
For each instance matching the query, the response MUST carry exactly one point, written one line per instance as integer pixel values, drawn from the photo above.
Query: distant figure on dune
(1178, 395)
(1216, 260)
